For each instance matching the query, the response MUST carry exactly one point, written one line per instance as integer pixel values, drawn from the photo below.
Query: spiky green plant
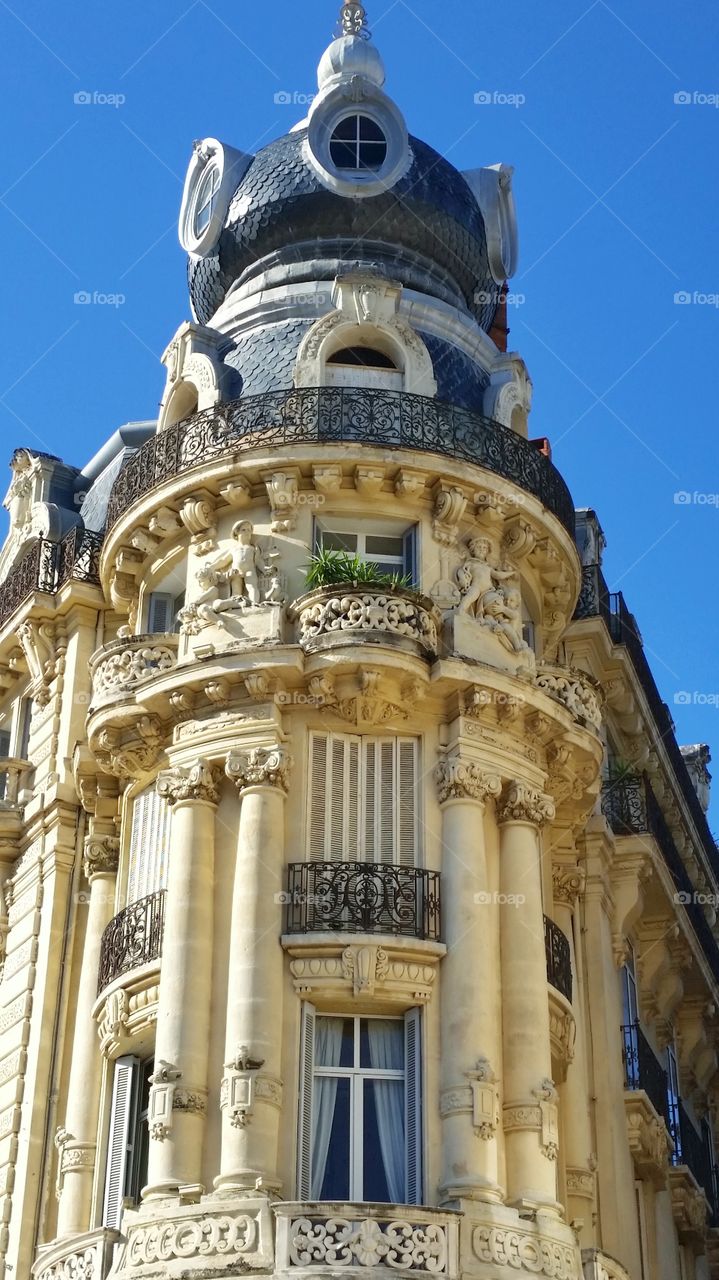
(330, 568)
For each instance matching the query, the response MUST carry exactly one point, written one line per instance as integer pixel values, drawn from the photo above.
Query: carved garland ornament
(461, 779)
(260, 767)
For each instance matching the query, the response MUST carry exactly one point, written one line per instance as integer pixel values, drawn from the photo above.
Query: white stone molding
(267, 766)
(331, 615)
(185, 1240)
(366, 314)
(84, 1257)
(521, 1249)
(575, 690)
(401, 972)
(364, 967)
(39, 644)
(421, 1242)
(126, 663)
(458, 778)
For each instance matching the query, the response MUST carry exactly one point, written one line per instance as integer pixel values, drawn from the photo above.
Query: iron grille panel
(363, 897)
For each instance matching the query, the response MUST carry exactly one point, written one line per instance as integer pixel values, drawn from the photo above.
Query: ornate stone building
(357, 924)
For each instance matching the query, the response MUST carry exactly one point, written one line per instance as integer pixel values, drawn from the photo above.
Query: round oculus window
(206, 199)
(358, 145)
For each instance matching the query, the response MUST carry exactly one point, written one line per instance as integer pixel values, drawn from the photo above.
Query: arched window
(363, 358)
(182, 404)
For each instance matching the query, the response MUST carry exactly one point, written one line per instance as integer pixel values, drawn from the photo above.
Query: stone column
(77, 1141)
(580, 1161)
(469, 1027)
(530, 1099)
(178, 1097)
(251, 1097)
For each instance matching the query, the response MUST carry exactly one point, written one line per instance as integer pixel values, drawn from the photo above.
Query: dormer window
(363, 358)
(358, 144)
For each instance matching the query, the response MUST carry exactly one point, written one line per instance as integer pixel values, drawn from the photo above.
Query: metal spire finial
(353, 21)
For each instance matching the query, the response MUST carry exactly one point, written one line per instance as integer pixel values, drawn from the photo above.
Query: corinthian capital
(522, 803)
(461, 779)
(101, 855)
(259, 767)
(196, 783)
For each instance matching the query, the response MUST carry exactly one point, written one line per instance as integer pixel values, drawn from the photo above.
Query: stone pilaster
(251, 1097)
(469, 1090)
(76, 1141)
(530, 1099)
(178, 1097)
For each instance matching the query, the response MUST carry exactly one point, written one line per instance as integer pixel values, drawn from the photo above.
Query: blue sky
(617, 192)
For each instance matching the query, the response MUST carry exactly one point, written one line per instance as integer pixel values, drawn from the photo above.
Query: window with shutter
(363, 799)
(23, 729)
(304, 1115)
(122, 1138)
(413, 1103)
(4, 754)
(149, 845)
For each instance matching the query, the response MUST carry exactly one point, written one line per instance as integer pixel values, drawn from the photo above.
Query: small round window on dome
(363, 358)
(206, 198)
(358, 144)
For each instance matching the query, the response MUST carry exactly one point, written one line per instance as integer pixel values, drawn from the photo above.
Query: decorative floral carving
(522, 803)
(193, 1103)
(360, 611)
(101, 854)
(339, 1242)
(521, 1251)
(199, 782)
(138, 658)
(225, 1235)
(260, 767)
(575, 691)
(39, 646)
(460, 779)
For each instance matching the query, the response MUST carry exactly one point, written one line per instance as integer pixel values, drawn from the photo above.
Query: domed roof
(427, 228)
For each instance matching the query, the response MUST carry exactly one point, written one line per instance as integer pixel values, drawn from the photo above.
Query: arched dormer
(366, 319)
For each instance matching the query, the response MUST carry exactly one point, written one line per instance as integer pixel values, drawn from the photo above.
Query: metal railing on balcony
(690, 1148)
(48, 565)
(132, 938)
(643, 1070)
(559, 959)
(336, 415)
(363, 897)
(631, 808)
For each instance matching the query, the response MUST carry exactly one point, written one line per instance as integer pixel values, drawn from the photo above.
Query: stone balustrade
(125, 663)
(85, 1257)
(12, 772)
(323, 1238)
(346, 613)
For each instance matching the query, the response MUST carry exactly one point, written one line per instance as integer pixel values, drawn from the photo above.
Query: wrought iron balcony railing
(48, 565)
(335, 415)
(132, 938)
(559, 960)
(631, 808)
(643, 1070)
(363, 897)
(690, 1148)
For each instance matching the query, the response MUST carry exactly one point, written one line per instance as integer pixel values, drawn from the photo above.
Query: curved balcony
(559, 960)
(340, 415)
(119, 667)
(325, 1238)
(348, 613)
(47, 566)
(363, 898)
(132, 938)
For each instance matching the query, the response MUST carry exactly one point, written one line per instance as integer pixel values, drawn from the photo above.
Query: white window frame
(411, 1076)
(361, 529)
(163, 605)
(347, 822)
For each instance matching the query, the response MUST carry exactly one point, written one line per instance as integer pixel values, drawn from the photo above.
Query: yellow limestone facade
(347, 929)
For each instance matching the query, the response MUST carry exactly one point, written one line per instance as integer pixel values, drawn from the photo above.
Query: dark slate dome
(426, 231)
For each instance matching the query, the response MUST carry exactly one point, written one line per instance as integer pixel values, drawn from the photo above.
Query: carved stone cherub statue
(234, 580)
(488, 596)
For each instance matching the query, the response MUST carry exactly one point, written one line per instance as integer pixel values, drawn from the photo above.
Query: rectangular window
(630, 1001)
(24, 723)
(384, 543)
(149, 845)
(360, 1112)
(127, 1147)
(162, 612)
(4, 755)
(363, 799)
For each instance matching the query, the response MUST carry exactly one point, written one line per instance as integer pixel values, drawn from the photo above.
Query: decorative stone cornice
(101, 855)
(567, 883)
(198, 783)
(260, 767)
(522, 803)
(460, 779)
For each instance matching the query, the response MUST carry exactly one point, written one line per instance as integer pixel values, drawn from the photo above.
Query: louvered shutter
(317, 815)
(413, 1103)
(407, 802)
(159, 612)
(334, 798)
(149, 845)
(409, 554)
(4, 743)
(304, 1109)
(123, 1126)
